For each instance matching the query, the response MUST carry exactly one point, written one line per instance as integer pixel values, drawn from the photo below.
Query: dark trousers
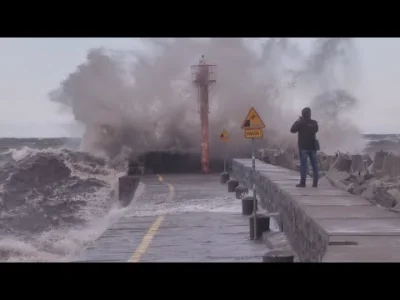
(304, 155)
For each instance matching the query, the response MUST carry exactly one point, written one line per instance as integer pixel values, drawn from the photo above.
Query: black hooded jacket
(306, 128)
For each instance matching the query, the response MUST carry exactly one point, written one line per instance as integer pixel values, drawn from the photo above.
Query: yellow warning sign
(253, 120)
(253, 133)
(224, 136)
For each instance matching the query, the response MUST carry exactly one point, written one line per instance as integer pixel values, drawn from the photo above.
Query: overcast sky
(30, 68)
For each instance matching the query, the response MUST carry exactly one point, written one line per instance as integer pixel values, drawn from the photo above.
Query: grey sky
(30, 68)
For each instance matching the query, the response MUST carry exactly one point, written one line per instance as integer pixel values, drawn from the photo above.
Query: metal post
(253, 161)
(204, 110)
(225, 158)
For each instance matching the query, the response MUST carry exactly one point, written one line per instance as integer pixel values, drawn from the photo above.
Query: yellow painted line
(147, 240)
(150, 234)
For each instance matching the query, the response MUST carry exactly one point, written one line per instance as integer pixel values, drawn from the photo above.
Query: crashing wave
(51, 192)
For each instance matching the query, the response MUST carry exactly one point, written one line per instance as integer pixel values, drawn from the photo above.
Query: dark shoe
(301, 185)
(315, 185)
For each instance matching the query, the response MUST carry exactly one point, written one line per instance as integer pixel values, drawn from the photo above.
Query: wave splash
(53, 202)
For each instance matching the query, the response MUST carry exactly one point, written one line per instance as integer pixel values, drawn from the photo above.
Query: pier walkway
(180, 218)
(325, 223)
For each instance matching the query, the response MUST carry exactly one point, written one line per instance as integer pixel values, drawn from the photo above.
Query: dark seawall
(164, 162)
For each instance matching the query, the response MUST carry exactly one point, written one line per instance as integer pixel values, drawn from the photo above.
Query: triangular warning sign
(224, 136)
(252, 120)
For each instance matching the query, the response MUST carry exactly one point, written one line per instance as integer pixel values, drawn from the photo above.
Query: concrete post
(232, 184)
(261, 226)
(247, 206)
(224, 177)
(127, 186)
(240, 191)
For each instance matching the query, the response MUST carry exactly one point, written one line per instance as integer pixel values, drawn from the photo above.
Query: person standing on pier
(306, 129)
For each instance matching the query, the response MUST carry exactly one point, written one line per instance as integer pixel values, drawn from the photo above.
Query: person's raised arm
(295, 127)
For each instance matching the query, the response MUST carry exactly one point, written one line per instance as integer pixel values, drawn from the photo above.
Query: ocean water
(385, 142)
(56, 200)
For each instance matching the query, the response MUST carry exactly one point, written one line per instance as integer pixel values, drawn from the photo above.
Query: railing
(203, 74)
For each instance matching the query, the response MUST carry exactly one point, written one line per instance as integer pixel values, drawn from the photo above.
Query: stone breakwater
(375, 179)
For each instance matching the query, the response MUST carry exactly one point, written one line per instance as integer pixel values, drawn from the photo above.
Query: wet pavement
(180, 218)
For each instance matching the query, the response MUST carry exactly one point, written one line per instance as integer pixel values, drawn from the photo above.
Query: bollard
(224, 177)
(240, 191)
(262, 221)
(126, 188)
(232, 184)
(278, 256)
(247, 206)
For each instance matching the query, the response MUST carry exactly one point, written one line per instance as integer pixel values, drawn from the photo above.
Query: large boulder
(284, 159)
(338, 173)
(378, 161)
(342, 163)
(357, 165)
(381, 191)
(391, 166)
(395, 193)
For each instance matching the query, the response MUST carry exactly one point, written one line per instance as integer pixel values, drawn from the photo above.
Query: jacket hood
(306, 113)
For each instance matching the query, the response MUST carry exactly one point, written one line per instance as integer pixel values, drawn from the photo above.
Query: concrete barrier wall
(306, 237)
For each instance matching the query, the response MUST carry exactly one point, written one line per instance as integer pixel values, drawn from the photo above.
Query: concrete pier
(193, 218)
(324, 224)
